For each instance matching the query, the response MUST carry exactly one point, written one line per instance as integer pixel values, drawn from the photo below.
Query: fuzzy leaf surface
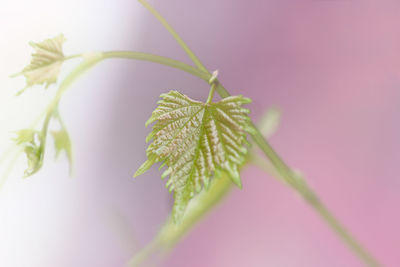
(195, 140)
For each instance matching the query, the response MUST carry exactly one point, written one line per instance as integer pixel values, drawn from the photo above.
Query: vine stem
(296, 182)
(157, 59)
(211, 93)
(176, 36)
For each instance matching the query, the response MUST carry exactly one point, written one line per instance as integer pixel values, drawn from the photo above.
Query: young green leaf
(194, 140)
(62, 142)
(46, 62)
(25, 136)
(31, 142)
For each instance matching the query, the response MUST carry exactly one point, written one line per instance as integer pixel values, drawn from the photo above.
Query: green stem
(72, 56)
(77, 72)
(160, 60)
(150, 58)
(176, 36)
(211, 93)
(43, 134)
(344, 234)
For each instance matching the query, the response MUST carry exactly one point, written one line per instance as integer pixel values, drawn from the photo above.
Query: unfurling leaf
(31, 142)
(62, 142)
(194, 140)
(25, 136)
(45, 63)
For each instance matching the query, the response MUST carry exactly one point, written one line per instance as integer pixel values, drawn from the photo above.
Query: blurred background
(332, 67)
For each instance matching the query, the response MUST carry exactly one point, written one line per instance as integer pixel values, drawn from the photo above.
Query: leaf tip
(144, 167)
(149, 121)
(235, 176)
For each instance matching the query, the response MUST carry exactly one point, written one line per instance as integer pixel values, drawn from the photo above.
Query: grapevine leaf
(194, 140)
(31, 142)
(45, 64)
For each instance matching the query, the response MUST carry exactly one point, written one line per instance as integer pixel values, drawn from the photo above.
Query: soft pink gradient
(332, 67)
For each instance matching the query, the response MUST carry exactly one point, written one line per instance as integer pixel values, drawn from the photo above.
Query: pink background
(332, 67)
